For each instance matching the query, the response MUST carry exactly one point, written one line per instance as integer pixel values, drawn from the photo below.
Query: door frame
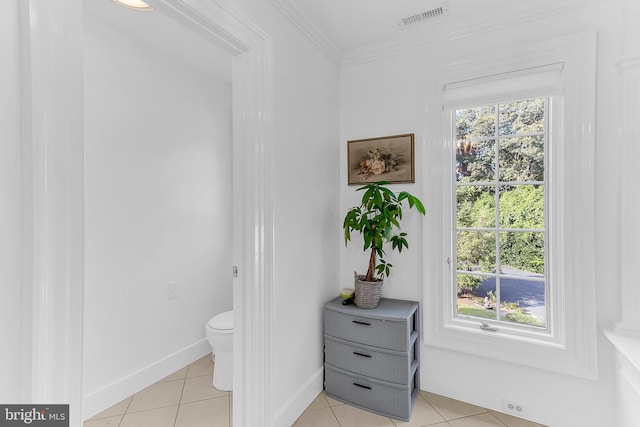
(51, 63)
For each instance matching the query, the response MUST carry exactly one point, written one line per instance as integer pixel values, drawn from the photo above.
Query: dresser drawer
(382, 364)
(384, 398)
(368, 331)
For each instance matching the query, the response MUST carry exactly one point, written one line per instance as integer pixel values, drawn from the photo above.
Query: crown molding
(421, 38)
(442, 31)
(290, 10)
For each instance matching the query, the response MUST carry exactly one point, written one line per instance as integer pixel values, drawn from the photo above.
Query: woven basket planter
(367, 293)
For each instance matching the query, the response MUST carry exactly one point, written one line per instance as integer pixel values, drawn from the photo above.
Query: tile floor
(186, 398)
(431, 410)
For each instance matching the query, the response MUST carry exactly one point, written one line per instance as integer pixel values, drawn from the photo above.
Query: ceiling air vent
(421, 17)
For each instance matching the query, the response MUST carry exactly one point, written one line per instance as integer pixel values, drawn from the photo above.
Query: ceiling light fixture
(135, 4)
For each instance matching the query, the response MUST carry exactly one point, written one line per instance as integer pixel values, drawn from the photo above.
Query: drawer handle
(361, 323)
(362, 386)
(362, 354)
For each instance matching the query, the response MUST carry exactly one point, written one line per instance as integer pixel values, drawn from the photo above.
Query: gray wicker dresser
(372, 356)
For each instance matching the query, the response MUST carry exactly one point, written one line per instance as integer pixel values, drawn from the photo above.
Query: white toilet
(220, 335)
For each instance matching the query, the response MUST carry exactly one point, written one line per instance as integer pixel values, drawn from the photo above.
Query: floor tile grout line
(486, 411)
(184, 384)
(469, 416)
(334, 415)
(125, 409)
(434, 408)
(226, 396)
(198, 376)
(152, 409)
(499, 420)
(93, 418)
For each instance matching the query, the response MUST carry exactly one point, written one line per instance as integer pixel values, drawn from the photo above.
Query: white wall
(158, 210)
(392, 96)
(305, 207)
(10, 208)
(306, 221)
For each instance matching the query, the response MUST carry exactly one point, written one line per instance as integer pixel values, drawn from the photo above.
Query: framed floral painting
(387, 158)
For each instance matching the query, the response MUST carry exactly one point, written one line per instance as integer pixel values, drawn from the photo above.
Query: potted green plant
(377, 219)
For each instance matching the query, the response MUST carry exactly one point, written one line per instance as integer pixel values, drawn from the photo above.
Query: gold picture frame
(386, 158)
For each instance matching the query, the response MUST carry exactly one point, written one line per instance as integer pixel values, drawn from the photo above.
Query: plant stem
(372, 266)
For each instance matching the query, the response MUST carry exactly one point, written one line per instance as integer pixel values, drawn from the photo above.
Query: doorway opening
(158, 197)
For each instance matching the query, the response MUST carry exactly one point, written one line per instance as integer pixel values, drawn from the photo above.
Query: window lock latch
(486, 327)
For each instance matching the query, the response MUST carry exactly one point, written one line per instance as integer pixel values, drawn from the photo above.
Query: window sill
(573, 359)
(627, 344)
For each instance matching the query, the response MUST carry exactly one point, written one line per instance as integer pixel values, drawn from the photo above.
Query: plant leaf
(414, 201)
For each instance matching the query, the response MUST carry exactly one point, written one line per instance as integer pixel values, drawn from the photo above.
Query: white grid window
(499, 225)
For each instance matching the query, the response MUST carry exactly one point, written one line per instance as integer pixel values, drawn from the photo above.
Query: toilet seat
(222, 323)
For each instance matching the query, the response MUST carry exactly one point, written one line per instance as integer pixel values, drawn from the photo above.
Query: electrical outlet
(172, 290)
(513, 408)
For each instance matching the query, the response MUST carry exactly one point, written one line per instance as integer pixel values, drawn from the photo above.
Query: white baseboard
(97, 401)
(288, 413)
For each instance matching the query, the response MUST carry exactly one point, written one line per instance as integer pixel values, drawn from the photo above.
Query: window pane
(522, 301)
(476, 206)
(475, 161)
(522, 206)
(521, 117)
(521, 159)
(501, 148)
(476, 122)
(476, 296)
(476, 251)
(522, 251)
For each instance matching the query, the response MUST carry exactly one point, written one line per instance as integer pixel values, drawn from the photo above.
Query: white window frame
(568, 346)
